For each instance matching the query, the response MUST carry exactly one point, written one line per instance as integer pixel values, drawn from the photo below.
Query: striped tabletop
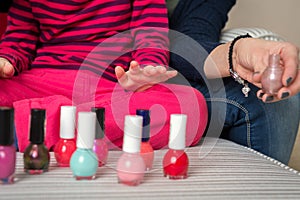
(218, 169)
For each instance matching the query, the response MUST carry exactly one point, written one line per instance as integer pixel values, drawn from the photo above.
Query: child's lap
(51, 88)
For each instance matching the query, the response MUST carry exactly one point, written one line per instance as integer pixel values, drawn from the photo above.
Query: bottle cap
(6, 126)
(67, 122)
(146, 124)
(37, 126)
(132, 133)
(100, 127)
(86, 130)
(177, 131)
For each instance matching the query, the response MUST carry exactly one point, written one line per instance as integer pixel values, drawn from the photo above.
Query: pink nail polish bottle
(66, 145)
(131, 166)
(100, 145)
(175, 161)
(7, 149)
(147, 152)
(36, 155)
(271, 77)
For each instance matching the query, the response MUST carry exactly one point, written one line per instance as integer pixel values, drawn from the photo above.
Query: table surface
(218, 169)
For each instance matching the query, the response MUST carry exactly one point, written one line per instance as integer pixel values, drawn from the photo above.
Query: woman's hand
(6, 68)
(251, 58)
(140, 79)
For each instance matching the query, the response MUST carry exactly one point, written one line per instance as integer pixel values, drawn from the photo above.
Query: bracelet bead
(233, 73)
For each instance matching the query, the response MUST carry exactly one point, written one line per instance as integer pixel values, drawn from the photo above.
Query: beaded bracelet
(233, 73)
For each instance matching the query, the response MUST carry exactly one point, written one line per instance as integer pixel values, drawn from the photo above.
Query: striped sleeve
(20, 39)
(149, 25)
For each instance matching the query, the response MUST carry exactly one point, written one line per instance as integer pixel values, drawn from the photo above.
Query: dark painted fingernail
(289, 80)
(261, 95)
(285, 94)
(269, 98)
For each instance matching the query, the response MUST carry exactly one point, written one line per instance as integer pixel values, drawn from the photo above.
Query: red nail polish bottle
(66, 145)
(271, 77)
(100, 146)
(147, 152)
(175, 161)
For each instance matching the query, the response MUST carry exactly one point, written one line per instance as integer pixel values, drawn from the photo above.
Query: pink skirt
(51, 88)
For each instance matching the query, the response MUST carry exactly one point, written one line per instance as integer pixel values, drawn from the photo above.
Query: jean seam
(247, 119)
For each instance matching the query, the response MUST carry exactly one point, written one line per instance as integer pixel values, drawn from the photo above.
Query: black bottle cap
(146, 123)
(100, 127)
(6, 126)
(37, 126)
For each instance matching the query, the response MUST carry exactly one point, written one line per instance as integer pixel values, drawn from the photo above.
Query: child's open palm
(140, 79)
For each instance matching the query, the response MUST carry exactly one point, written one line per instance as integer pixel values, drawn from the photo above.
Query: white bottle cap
(86, 130)
(67, 122)
(132, 133)
(177, 131)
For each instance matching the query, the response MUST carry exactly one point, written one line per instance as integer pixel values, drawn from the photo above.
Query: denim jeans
(269, 128)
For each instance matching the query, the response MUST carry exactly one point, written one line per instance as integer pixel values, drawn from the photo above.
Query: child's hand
(140, 79)
(6, 69)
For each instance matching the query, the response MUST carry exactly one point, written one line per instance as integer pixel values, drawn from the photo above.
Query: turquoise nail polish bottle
(84, 162)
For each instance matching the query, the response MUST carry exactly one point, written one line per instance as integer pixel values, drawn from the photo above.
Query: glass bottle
(36, 155)
(66, 145)
(175, 161)
(100, 146)
(131, 166)
(147, 152)
(7, 148)
(84, 162)
(271, 79)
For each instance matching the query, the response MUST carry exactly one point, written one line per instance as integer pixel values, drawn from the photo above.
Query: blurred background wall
(279, 16)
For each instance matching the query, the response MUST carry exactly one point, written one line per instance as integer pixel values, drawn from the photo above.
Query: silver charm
(236, 77)
(246, 89)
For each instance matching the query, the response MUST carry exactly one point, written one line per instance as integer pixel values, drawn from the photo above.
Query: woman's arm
(200, 21)
(250, 59)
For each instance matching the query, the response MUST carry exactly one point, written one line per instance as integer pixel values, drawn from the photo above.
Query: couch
(218, 169)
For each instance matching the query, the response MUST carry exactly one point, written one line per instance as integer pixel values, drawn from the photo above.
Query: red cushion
(3, 22)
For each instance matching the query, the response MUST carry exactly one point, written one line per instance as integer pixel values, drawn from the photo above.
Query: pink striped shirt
(85, 34)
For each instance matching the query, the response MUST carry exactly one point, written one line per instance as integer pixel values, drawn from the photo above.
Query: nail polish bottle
(66, 146)
(147, 152)
(131, 166)
(100, 145)
(175, 161)
(36, 155)
(271, 77)
(7, 148)
(84, 162)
